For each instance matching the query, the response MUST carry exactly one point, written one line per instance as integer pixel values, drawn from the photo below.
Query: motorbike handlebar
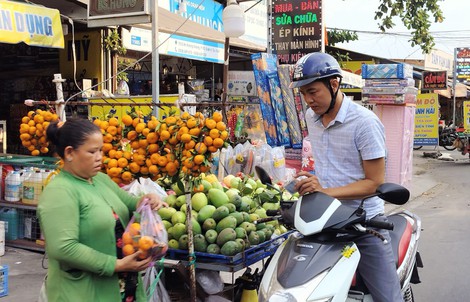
(380, 224)
(262, 220)
(272, 212)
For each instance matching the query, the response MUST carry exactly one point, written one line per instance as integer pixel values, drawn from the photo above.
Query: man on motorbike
(348, 146)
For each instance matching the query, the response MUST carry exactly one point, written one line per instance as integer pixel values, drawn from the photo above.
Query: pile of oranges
(178, 145)
(33, 130)
(133, 241)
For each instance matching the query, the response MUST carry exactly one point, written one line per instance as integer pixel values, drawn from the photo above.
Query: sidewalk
(25, 267)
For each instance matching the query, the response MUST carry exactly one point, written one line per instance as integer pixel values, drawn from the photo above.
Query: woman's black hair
(72, 133)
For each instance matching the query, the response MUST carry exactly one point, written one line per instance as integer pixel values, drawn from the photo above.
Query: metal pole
(155, 57)
(225, 77)
(454, 83)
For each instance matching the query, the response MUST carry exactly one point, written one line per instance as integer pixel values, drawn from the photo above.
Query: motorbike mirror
(393, 193)
(263, 175)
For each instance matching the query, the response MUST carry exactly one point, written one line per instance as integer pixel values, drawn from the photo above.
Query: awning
(170, 23)
(460, 91)
(31, 24)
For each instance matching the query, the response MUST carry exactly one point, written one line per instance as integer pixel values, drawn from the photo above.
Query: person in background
(83, 214)
(348, 147)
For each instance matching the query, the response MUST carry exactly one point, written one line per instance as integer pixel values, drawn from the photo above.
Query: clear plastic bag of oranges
(145, 233)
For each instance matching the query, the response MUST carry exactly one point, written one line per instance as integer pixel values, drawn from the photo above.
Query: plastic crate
(3, 280)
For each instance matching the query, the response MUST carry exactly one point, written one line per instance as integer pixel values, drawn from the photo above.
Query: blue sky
(359, 15)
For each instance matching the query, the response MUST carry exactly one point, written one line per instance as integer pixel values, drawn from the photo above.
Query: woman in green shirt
(82, 213)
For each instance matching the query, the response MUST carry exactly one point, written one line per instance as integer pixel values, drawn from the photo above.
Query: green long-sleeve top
(77, 221)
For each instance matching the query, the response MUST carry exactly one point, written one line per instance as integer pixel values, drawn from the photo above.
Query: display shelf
(17, 205)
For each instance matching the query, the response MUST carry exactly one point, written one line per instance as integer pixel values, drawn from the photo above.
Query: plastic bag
(142, 186)
(145, 233)
(154, 287)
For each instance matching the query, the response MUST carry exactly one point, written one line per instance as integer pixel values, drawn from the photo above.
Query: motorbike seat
(400, 240)
(400, 237)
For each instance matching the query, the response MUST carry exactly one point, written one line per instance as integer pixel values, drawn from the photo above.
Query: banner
(31, 24)
(426, 120)
(466, 116)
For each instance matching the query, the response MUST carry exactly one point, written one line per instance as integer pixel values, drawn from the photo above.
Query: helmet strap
(333, 95)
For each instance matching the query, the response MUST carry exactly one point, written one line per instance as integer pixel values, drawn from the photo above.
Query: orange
(145, 243)
(112, 130)
(38, 119)
(152, 148)
(112, 163)
(214, 133)
(198, 159)
(185, 137)
(210, 123)
(152, 137)
(195, 131)
(135, 145)
(217, 116)
(134, 229)
(152, 124)
(143, 143)
(134, 167)
(218, 142)
(208, 141)
(35, 152)
(189, 145)
(127, 155)
(171, 120)
(126, 176)
(122, 162)
(114, 172)
(118, 154)
(132, 135)
(127, 120)
(143, 254)
(191, 123)
(153, 169)
(127, 250)
(171, 168)
(107, 138)
(164, 135)
(140, 127)
(113, 122)
(224, 134)
(127, 238)
(106, 147)
(200, 148)
(25, 119)
(144, 170)
(162, 161)
(221, 126)
(135, 121)
(104, 125)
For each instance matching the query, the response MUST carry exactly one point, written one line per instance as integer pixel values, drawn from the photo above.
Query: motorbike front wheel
(448, 142)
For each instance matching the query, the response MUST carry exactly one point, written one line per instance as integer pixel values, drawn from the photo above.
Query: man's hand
(308, 184)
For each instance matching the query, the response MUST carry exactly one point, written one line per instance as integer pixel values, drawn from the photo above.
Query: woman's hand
(309, 184)
(153, 200)
(132, 263)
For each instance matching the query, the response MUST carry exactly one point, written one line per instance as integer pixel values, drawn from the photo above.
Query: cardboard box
(387, 71)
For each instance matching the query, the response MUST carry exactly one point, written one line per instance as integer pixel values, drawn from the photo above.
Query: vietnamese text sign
(31, 24)
(435, 80)
(462, 65)
(297, 29)
(466, 116)
(426, 120)
(118, 8)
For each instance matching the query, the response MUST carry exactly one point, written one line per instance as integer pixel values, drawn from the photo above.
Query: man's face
(317, 95)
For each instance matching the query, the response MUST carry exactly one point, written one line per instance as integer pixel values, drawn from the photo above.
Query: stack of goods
(388, 84)
(391, 88)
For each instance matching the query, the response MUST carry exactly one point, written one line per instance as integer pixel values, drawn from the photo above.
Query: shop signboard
(354, 67)
(296, 29)
(434, 80)
(462, 65)
(426, 120)
(31, 24)
(119, 12)
(256, 22)
(466, 116)
(207, 13)
(241, 83)
(439, 60)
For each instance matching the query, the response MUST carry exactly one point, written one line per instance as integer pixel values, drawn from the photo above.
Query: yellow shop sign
(31, 24)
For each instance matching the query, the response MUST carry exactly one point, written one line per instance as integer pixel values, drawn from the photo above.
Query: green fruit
(178, 217)
(200, 243)
(260, 226)
(217, 197)
(220, 213)
(196, 227)
(244, 207)
(211, 236)
(230, 248)
(248, 226)
(261, 235)
(237, 201)
(170, 200)
(180, 200)
(252, 183)
(231, 207)
(166, 213)
(247, 189)
(213, 248)
(177, 190)
(228, 179)
(238, 216)
(241, 233)
(268, 232)
(217, 185)
(226, 235)
(183, 242)
(261, 212)
(246, 216)
(173, 244)
(170, 232)
(241, 242)
(254, 217)
(198, 201)
(235, 182)
(209, 224)
(228, 222)
(271, 206)
(167, 224)
(205, 212)
(232, 194)
(178, 230)
(207, 185)
(247, 200)
(253, 237)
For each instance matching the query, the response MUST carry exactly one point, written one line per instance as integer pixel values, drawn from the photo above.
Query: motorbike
(318, 262)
